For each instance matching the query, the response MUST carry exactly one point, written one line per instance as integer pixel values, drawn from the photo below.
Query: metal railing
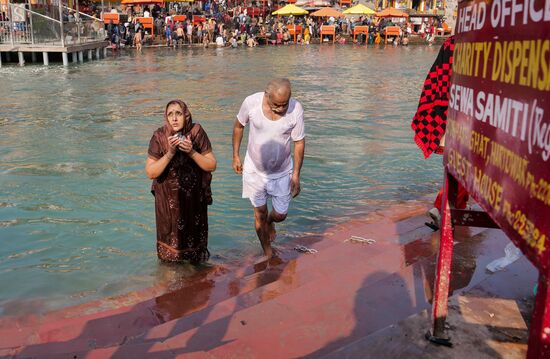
(20, 32)
(41, 29)
(81, 32)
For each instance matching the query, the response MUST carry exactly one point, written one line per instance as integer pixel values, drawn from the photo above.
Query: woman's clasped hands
(184, 144)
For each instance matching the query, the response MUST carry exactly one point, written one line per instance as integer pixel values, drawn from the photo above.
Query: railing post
(61, 23)
(30, 16)
(78, 21)
(11, 22)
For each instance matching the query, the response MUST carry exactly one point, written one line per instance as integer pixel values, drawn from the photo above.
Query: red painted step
(287, 321)
(333, 252)
(49, 328)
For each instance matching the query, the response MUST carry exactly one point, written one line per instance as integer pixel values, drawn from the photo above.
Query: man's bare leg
(273, 218)
(260, 221)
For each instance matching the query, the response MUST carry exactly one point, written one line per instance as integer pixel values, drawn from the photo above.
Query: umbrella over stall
(290, 9)
(327, 12)
(391, 12)
(359, 9)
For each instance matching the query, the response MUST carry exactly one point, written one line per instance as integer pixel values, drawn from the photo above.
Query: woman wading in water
(180, 161)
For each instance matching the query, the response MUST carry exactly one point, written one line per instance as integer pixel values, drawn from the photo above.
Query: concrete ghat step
(312, 319)
(29, 322)
(335, 312)
(114, 326)
(137, 318)
(250, 283)
(61, 325)
(31, 329)
(325, 260)
(262, 287)
(317, 311)
(235, 317)
(195, 320)
(220, 269)
(289, 276)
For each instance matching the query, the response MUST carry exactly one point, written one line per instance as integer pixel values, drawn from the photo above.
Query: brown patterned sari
(182, 194)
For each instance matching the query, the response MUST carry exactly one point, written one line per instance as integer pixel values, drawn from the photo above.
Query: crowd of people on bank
(219, 27)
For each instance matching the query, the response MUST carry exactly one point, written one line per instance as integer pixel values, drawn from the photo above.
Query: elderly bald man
(276, 119)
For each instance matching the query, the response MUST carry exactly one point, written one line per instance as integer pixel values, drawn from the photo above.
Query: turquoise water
(76, 214)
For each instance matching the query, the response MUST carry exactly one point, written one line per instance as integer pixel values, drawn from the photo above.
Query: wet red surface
(297, 305)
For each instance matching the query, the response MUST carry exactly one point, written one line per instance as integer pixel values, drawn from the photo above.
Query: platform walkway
(38, 32)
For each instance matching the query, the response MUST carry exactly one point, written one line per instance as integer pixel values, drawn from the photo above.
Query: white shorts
(258, 188)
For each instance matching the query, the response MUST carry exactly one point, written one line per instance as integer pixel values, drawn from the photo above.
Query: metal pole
(30, 16)
(61, 23)
(45, 58)
(65, 59)
(444, 259)
(78, 23)
(11, 22)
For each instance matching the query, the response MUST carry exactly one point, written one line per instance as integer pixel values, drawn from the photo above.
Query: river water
(76, 214)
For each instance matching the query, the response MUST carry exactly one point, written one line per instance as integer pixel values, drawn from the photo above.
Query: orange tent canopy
(391, 12)
(327, 12)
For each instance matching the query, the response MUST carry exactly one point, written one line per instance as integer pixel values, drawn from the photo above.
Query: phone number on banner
(524, 227)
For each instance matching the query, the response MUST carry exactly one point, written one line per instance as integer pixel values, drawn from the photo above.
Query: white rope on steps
(358, 239)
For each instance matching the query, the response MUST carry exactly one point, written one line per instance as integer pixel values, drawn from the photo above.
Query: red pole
(539, 335)
(444, 258)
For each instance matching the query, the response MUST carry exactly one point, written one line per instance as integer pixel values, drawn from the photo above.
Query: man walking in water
(275, 120)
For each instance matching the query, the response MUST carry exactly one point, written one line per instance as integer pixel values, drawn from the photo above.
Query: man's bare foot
(268, 251)
(264, 262)
(275, 260)
(261, 264)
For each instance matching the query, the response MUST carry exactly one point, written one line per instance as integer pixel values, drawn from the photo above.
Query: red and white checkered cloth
(430, 120)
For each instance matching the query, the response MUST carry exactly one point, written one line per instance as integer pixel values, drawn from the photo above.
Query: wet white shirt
(268, 150)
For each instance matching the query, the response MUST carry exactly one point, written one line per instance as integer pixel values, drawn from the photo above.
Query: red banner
(498, 130)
